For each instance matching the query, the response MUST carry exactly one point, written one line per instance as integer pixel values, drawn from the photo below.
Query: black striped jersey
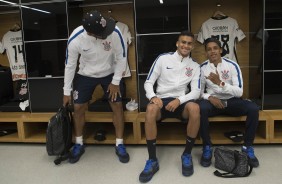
(226, 30)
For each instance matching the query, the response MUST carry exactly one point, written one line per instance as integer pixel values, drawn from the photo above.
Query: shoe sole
(254, 164)
(122, 160)
(145, 180)
(187, 173)
(205, 164)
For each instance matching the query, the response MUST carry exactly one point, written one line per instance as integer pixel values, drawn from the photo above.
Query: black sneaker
(187, 164)
(206, 156)
(76, 152)
(151, 167)
(122, 154)
(253, 161)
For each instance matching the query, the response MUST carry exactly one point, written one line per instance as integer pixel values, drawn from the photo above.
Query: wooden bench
(31, 127)
(275, 125)
(173, 131)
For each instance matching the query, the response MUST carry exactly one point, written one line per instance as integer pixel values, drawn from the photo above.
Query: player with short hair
(221, 93)
(173, 73)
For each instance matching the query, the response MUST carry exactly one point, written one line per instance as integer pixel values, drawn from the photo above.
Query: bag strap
(230, 174)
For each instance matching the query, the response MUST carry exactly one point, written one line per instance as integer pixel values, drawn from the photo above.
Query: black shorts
(176, 114)
(83, 88)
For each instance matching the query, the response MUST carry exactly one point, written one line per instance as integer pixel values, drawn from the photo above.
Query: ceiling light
(8, 2)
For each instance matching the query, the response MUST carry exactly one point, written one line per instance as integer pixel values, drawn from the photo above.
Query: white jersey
(12, 43)
(173, 73)
(125, 32)
(127, 38)
(226, 30)
(229, 72)
(96, 56)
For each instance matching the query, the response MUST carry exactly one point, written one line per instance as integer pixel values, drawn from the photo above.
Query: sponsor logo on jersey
(220, 29)
(15, 39)
(107, 46)
(189, 72)
(23, 91)
(225, 74)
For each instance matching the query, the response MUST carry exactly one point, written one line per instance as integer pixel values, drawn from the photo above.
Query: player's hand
(171, 106)
(66, 100)
(157, 101)
(216, 102)
(214, 77)
(114, 92)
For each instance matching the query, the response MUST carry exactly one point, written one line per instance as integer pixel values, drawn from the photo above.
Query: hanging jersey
(1, 48)
(125, 32)
(226, 30)
(127, 38)
(12, 43)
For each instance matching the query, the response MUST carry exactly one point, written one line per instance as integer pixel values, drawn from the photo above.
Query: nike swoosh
(168, 67)
(85, 50)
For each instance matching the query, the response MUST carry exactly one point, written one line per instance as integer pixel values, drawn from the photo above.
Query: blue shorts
(177, 113)
(83, 87)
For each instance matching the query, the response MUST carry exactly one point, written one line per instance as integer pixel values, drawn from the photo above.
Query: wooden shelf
(10, 138)
(169, 133)
(217, 130)
(91, 128)
(275, 126)
(9, 124)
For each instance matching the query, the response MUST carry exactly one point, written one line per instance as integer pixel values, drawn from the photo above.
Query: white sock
(119, 141)
(79, 140)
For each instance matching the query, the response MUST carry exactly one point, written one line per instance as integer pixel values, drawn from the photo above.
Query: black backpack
(59, 135)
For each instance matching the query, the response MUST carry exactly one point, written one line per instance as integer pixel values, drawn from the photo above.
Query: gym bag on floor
(59, 135)
(233, 162)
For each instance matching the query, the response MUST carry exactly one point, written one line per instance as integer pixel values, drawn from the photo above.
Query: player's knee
(193, 109)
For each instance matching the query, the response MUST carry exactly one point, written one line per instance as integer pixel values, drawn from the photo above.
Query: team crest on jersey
(107, 46)
(103, 22)
(225, 74)
(189, 72)
(75, 95)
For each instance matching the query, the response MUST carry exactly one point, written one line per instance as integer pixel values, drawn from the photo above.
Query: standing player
(94, 45)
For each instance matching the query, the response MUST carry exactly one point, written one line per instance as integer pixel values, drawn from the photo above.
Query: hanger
(16, 27)
(218, 14)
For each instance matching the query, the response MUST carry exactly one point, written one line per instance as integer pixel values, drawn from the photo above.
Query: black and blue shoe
(187, 164)
(121, 153)
(151, 167)
(253, 161)
(76, 152)
(206, 156)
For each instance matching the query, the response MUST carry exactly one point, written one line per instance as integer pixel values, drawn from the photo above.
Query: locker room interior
(259, 65)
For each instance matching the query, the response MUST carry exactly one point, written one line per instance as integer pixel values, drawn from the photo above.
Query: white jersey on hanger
(226, 30)
(127, 38)
(12, 43)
